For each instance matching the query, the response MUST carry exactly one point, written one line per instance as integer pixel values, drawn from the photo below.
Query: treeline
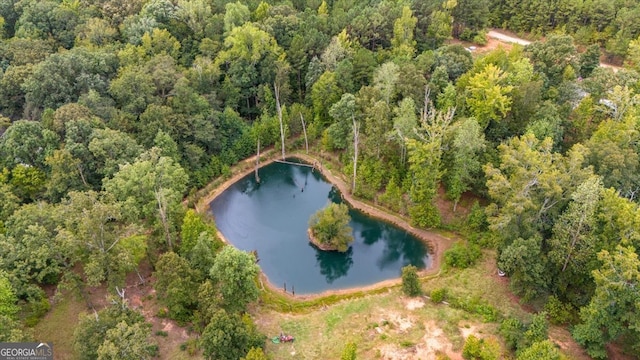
(112, 111)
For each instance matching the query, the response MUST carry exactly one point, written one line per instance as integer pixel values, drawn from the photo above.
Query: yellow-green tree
(330, 227)
(488, 95)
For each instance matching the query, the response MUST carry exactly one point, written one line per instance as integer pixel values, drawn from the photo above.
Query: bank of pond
(272, 218)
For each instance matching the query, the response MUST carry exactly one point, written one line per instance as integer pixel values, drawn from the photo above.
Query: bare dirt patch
(563, 338)
(414, 303)
(141, 296)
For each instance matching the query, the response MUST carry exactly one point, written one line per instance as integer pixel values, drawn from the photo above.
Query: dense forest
(113, 111)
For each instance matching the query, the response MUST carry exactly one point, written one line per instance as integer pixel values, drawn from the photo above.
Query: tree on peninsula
(329, 228)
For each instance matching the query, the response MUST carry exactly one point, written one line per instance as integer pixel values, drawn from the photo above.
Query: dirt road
(507, 38)
(494, 34)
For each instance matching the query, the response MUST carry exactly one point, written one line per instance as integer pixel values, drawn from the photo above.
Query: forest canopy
(113, 111)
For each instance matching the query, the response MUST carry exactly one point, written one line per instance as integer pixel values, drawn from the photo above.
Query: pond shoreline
(437, 243)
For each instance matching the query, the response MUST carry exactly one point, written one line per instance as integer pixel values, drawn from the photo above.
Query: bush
(512, 330)
(538, 330)
(438, 295)
(476, 305)
(541, 350)
(255, 353)
(349, 352)
(462, 256)
(480, 38)
(410, 281)
(36, 310)
(559, 312)
(480, 349)
(190, 346)
(477, 218)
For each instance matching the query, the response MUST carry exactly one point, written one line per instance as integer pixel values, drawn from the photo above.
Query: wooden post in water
(285, 286)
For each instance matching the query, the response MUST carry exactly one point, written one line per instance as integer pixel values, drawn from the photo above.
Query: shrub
(438, 295)
(541, 350)
(559, 312)
(477, 218)
(349, 352)
(476, 305)
(410, 281)
(480, 349)
(255, 353)
(480, 38)
(462, 256)
(36, 310)
(512, 330)
(538, 329)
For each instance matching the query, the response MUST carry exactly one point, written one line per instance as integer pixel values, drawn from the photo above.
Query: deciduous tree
(613, 311)
(234, 272)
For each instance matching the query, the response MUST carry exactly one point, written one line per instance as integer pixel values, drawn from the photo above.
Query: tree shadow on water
(334, 264)
(400, 247)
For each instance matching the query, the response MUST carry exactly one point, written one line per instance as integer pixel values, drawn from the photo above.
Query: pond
(272, 218)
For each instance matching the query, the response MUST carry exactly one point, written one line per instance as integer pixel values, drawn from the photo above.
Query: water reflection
(333, 264)
(397, 248)
(272, 218)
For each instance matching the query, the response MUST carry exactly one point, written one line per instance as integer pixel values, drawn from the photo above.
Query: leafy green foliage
(128, 342)
(543, 350)
(228, 337)
(87, 89)
(525, 265)
(489, 100)
(475, 305)
(8, 298)
(410, 281)
(255, 353)
(559, 312)
(193, 225)
(512, 330)
(481, 349)
(438, 295)
(235, 273)
(31, 251)
(537, 330)
(462, 255)
(349, 352)
(115, 332)
(175, 285)
(614, 305)
(330, 227)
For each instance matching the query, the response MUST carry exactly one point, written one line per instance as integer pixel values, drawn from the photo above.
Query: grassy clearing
(387, 325)
(58, 325)
(384, 323)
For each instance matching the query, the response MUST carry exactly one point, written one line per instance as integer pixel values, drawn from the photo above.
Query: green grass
(379, 320)
(58, 325)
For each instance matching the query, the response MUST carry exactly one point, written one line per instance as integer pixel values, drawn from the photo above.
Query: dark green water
(272, 217)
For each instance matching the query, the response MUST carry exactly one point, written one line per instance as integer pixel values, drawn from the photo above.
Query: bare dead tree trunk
(84, 181)
(279, 109)
(258, 160)
(304, 130)
(164, 218)
(574, 240)
(356, 139)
